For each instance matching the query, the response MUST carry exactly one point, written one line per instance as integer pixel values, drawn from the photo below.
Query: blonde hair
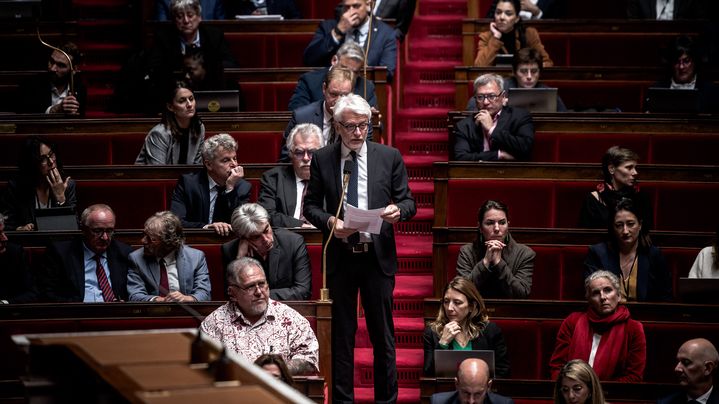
(580, 371)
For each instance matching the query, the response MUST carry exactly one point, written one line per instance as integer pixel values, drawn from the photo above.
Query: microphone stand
(325, 292)
(71, 89)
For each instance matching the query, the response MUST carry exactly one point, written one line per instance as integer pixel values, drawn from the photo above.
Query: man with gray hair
(497, 131)
(165, 269)
(16, 285)
(283, 188)
(349, 56)
(697, 361)
(206, 198)
(253, 324)
(282, 253)
(92, 268)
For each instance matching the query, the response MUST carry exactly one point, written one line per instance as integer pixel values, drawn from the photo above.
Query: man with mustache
(88, 269)
(283, 188)
(282, 253)
(697, 361)
(253, 324)
(206, 198)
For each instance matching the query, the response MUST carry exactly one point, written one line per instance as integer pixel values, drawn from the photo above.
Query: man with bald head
(696, 364)
(473, 386)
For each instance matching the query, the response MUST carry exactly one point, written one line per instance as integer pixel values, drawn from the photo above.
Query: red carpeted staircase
(432, 49)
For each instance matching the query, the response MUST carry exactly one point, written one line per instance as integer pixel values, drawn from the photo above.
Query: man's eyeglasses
(351, 127)
(490, 97)
(100, 231)
(299, 153)
(261, 285)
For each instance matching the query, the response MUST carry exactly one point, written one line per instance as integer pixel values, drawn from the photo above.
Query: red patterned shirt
(281, 330)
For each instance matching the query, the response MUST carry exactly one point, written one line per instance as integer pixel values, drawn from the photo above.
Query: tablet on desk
(217, 101)
(533, 99)
(60, 218)
(447, 361)
(672, 100)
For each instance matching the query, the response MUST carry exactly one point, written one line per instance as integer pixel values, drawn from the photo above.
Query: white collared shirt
(684, 86)
(704, 398)
(665, 9)
(298, 200)
(173, 277)
(196, 42)
(363, 31)
(362, 200)
(56, 97)
(326, 125)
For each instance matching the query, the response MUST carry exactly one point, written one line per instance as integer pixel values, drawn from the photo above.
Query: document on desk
(368, 221)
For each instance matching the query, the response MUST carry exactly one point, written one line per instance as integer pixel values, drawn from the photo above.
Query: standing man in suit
(697, 361)
(668, 9)
(17, 285)
(165, 269)
(354, 24)
(402, 11)
(337, 83)
(496, 132)
(359, 260)
(206, 198)
(473, 386)
(88, 269)
(349, 56)
(282, 253)
(283, 188)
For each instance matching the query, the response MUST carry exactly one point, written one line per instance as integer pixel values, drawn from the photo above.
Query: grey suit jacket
(278, 195)
(452, 397)
(162, 148)
(143, 277)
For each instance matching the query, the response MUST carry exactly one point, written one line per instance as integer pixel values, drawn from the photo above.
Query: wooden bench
(585, 137)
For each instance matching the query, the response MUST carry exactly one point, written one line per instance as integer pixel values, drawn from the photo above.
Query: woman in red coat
(604, 336)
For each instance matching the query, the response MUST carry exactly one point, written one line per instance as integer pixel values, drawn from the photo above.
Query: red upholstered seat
(257, 147)
(698, 198)
(268, 49)
(267, 97)
(524, 347)
(663, 341)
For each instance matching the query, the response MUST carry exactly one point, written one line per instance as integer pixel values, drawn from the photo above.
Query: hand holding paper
(369, 221)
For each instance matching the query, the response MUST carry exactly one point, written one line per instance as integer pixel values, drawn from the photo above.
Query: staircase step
(424, 160)
(437, 26)
(429, 72)
(424, 187)
(417, 137)
(436, 49)
(444, 7)
(407, 333)
(421, 120)
(414, 265)
(405, 395)
(413, 245)
(428, 96)
(409, 366)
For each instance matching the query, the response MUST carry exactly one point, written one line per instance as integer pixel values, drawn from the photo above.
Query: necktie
(164, 283)
(352, 193)
(302, 200)
(356, 36)
(218, 213)
(107, 294)
(332, 135)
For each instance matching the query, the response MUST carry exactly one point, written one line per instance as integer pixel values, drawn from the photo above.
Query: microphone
(350, 165)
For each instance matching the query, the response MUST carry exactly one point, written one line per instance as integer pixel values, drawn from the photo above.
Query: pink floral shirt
(281, 330)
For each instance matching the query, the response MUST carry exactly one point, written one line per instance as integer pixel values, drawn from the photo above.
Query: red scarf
(612, 345)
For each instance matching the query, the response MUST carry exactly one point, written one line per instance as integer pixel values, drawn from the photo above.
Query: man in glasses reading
(91, 268)
(497, 131)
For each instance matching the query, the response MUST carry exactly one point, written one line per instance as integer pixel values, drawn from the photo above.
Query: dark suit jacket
(683, 9)
(34, 95)
(386, 184)
(287, 269)
(402, 11)
(18, 203)
(62, 277)
(654, 279)
(17, 283)
(681, 398)
(309, 89)
(491, 339)
(278, 195)
(514, 134)
(452, 397)
(286, 8)
(191, 199)
(311, 113)
(382, 50)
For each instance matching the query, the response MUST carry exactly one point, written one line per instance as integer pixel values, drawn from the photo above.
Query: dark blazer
(386, 184)
(62, 277)
(191, 199)
(491, 339)
(309, 89)
(382, 50)
(514, 134)
(452, 397)
(18, 203)
(287, 268)
(34, 95)
(285, 8)
(654, 279)
(17, 283)
(211, 10)
(402, 11)
(143, 277)
(278, 195)
(683, 9)
(681, 398)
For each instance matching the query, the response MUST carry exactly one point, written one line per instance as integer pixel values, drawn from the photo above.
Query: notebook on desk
(447, 361)
(672, 100)
(699, 290)
(217, 101)
(60, 218)
(533, 99)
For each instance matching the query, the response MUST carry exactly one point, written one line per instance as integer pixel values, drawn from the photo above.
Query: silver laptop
(217, 101)
(60, 218)
(447, 361)
(699, 290)
(672, 100)
(533, 99)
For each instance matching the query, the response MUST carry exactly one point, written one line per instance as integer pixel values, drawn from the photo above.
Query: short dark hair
(616, 156)
(526, 56)
(489, 205)
(274, 359)
(74, 52)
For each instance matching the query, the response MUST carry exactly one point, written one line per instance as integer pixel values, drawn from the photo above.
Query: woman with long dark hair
(507, 35)
(177, 138)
